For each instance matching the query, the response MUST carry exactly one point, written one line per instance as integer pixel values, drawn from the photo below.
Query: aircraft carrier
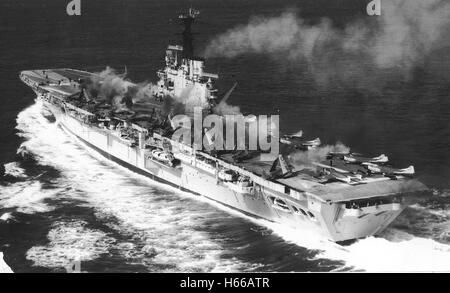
(345, 196)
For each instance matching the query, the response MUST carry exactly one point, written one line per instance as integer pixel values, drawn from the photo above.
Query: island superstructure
(347, 196)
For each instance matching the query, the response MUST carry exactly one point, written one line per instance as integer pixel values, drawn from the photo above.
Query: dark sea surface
(64, 203)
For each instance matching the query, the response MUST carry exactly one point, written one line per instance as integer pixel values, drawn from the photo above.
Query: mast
(186, 20)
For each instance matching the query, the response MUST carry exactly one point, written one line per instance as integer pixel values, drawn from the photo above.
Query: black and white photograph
(224, 136)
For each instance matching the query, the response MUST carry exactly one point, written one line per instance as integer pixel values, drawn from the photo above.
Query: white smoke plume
(223, 108)
(190, 98)
(118, 91)
(398, 40)
(112, 84)
(122, 93)
(306, 159)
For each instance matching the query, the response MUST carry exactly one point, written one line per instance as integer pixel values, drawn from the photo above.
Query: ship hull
(326, 214)
(190, 179)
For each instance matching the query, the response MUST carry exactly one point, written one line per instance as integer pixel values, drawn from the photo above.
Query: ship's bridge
(181, 74)
(193, 67)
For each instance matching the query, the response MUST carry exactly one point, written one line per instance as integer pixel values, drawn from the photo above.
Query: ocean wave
(27, 197)
(70, 242)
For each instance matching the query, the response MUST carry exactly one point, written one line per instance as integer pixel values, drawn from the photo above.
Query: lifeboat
(280, 205)
(225, 175)
(163, 157)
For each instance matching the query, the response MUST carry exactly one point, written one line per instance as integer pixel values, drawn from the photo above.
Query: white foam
(400, 253)
(69, 242)
(7, 217)
(394, 251)
(441, 213)
(26, 197)
(4, 268)
(15, 170)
